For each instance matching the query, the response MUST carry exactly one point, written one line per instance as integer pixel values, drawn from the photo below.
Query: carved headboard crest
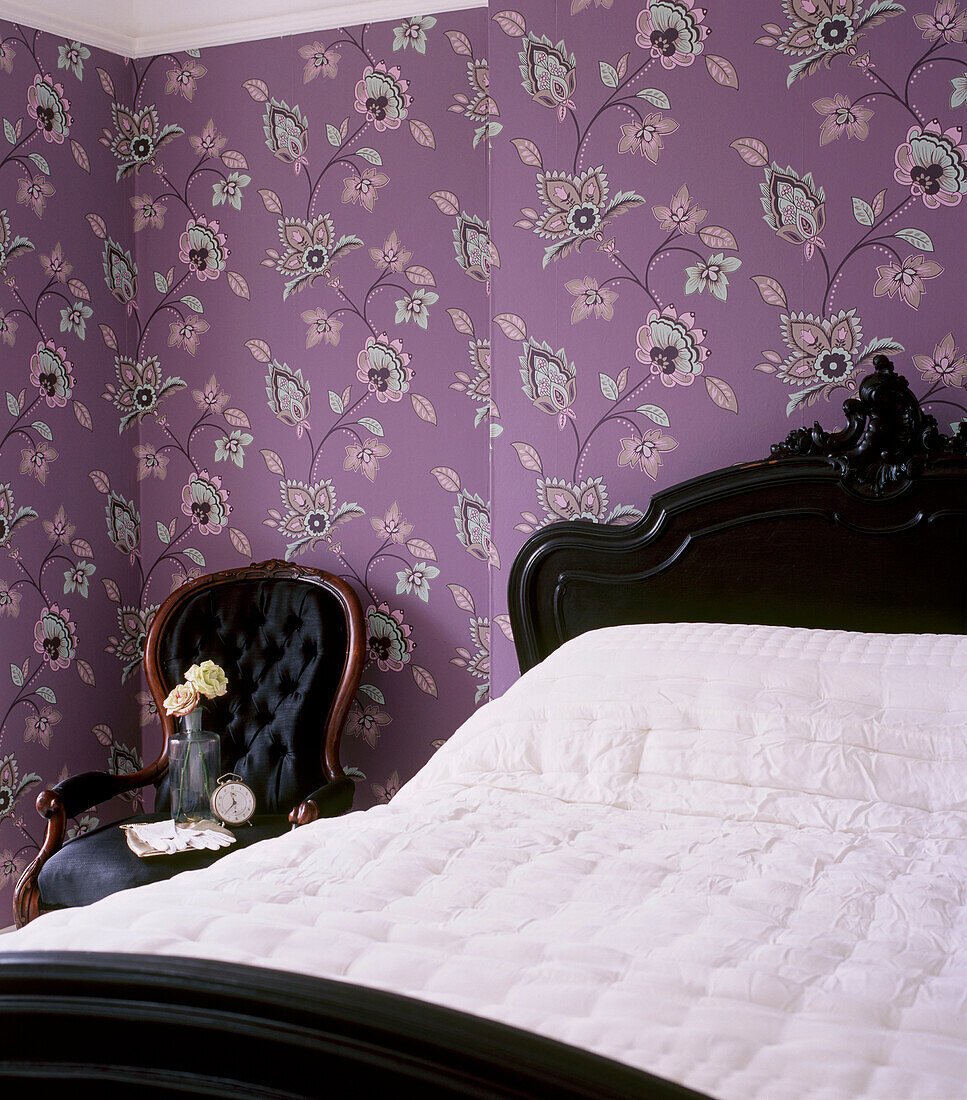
(887, 440)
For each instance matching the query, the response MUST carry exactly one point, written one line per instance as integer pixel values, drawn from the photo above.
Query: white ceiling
(139, 28)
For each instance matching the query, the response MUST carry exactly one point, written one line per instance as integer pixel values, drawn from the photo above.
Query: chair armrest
(331, 800)
(69, 798)
(84, 791)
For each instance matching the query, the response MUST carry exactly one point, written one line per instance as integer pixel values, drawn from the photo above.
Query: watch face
(233, 802)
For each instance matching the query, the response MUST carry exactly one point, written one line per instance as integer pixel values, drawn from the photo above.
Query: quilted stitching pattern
(733, 856)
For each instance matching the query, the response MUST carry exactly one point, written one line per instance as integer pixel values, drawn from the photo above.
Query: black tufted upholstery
(282, 650)
(291, 640)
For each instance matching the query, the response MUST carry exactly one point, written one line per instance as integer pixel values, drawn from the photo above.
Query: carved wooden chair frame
(86, 790)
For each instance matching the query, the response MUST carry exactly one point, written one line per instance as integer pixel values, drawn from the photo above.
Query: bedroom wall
(305, 342)
(647, 248)
(60, 710)
(323, 354)
(712, 189)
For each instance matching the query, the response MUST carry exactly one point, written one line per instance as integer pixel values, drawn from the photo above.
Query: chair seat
(100, 862)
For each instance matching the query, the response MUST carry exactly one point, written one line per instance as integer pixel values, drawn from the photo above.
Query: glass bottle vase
(193, 768)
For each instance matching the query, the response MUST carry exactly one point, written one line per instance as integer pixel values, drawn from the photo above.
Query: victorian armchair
(291, 640)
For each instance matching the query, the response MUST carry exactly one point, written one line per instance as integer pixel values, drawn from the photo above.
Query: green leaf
(335, 402)
(373, 692)
(163, 535)
(47, 693)
(883, 7)
(805, 67)
(9, 132)
(488, 130)
(916, 237)
(655, 97)
(884, 344)
(369, 154)
(371, 425)
(608, 387)
(609, 74)
(802, 398)
(862, 211)
(196, 555)
(161, 283)
(654, 412)
(16, 675)
(333, 134)
(41, 429)
(41, 163)
(13, 405)
(193, 304)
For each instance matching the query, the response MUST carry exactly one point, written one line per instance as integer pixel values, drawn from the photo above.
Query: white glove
(166, 838)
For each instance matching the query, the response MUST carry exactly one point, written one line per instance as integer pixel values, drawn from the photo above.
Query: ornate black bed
(832, 530)
(852, 530)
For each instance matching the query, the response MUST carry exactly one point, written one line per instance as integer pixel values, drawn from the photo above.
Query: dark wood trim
(331, 800)
(63, 801)
(26, 898)
(177, 1028)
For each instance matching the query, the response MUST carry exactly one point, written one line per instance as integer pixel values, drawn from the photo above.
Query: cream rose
(182, 700)
(207, 679)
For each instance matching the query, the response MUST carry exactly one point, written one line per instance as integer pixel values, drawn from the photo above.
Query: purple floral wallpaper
(248, 299)
(62, 579)
(315, 336)
(278, 348)
(710, 219)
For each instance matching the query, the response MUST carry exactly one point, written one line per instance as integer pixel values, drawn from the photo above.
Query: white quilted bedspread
(733, 856)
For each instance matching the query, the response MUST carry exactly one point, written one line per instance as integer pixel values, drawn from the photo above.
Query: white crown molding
(140, 28)
(183, 26)
(105, 25)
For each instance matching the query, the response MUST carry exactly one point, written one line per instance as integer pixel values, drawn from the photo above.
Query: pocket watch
(233, 800)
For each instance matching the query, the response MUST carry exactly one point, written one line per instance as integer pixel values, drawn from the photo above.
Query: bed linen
(733, 856)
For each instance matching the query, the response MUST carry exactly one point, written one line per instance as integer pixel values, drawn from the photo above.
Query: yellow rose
(182, 700)
(207, 679)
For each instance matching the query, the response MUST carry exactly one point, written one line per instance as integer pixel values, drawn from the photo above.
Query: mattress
(735, 857)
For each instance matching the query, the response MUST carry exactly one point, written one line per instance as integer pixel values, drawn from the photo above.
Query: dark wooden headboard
(861, 529)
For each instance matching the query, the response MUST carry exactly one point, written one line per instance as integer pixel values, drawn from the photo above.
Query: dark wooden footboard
(153, 1027)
